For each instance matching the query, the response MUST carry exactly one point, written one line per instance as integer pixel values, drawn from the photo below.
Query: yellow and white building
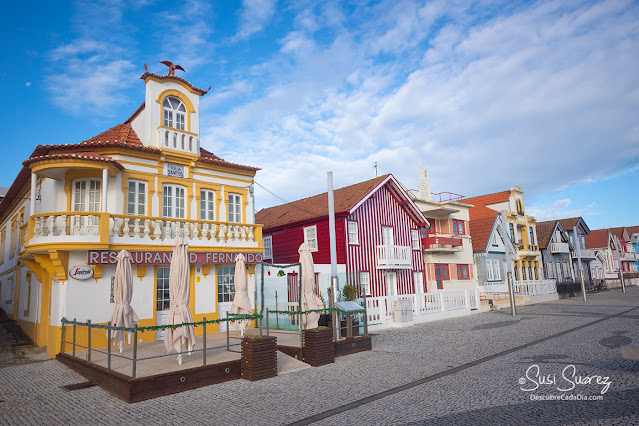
(522, 228)
(135, 186)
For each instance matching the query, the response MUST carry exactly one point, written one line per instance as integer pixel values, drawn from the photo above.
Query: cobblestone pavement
(465, 370)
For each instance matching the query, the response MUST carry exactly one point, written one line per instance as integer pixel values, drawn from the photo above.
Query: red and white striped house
(378, 236)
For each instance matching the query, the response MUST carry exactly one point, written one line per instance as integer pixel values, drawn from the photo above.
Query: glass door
(162, 300)
(225, 294)
(86, 198)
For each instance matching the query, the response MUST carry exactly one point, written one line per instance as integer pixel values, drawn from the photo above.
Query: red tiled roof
(481, 211)
(618, 232)
(544, 232)
(484, 200)
(597, 239)
(316, 206)
(121, 133)
(569, 223)
(633, 229)
(174, 77)
(23, 177)
(81, 155)
(480, 228)
(208, 157)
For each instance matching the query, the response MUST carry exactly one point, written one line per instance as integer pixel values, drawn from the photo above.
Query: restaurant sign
(110, 257)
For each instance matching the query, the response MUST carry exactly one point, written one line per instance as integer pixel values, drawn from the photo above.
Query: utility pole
(333, 250)
(577, 242)
(509, 263)
(616, 241)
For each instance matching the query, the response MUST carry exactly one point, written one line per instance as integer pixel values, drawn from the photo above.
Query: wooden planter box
(318, 347)
(259, 358)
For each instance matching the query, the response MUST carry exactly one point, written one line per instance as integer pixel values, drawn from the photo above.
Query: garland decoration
(232, 317)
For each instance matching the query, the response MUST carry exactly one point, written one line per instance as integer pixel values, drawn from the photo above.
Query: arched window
(174, 112)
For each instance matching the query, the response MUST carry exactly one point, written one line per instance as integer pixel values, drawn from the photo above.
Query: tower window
(174, 112)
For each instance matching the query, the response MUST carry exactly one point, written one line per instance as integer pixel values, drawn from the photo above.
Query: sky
(484, 94)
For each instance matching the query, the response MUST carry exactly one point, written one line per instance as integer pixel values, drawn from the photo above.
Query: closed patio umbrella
(179, 292)
(123, 314)
(309, 299)
(241, 302)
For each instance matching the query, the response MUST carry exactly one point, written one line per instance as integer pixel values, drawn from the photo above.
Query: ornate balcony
(106, 228)
(393, 257)
(178, 139)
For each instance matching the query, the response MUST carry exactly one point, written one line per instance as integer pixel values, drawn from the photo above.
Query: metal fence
(135, 358)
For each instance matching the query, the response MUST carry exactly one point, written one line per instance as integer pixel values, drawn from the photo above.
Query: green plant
(350, 292)
(321, 296)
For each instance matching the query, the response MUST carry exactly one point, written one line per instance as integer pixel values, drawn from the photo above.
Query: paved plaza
(467, 370)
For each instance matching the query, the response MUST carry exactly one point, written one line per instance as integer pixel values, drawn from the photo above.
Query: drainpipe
(577, 242)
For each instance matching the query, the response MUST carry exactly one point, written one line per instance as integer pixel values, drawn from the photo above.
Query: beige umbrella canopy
(123, 314)
(309, 299)
(179, 291)
(241, 302)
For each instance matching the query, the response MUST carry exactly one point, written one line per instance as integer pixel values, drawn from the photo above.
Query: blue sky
(485, 95)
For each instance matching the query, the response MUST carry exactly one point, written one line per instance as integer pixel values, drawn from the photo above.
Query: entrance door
(225, 294)
(441, 274)
(86, 198)
(390, 279)
(162, 301)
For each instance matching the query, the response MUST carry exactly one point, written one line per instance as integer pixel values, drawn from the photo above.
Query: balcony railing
(393, 257)
(559, 248)
(442, 244)
(177, 139)
(108, 228)
(527, 247)
(628, 256)
(587, 253)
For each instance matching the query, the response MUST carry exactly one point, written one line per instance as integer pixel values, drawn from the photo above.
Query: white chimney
(423, 190)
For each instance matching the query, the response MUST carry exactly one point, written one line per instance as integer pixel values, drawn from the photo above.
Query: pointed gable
(346, 200)
(481, 230)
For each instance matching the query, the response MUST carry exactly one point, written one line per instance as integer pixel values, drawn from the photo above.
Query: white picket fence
(535, 288)
(521, 288)
(426, 306)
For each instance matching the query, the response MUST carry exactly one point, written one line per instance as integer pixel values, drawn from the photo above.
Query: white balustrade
(494, 287)
(83, 226)
(535, 287)
(391, 256)
(426, 306)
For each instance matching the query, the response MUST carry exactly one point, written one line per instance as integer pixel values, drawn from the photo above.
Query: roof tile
(315, 206)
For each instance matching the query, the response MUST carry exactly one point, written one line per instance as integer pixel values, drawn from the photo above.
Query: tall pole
(509, 263)
(616, 240)
(581, 269)
(333, 248)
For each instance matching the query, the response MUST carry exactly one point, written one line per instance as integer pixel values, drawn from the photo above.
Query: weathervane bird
(172, 67)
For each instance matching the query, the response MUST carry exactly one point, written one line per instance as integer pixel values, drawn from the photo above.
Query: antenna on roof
(375, 165)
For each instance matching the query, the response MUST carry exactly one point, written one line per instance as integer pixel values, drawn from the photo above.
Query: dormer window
(174, 113)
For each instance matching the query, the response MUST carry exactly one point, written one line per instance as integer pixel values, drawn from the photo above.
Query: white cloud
(186, 34)
(90, 72)
(255, 15)
(558, 209)
(540, 96)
